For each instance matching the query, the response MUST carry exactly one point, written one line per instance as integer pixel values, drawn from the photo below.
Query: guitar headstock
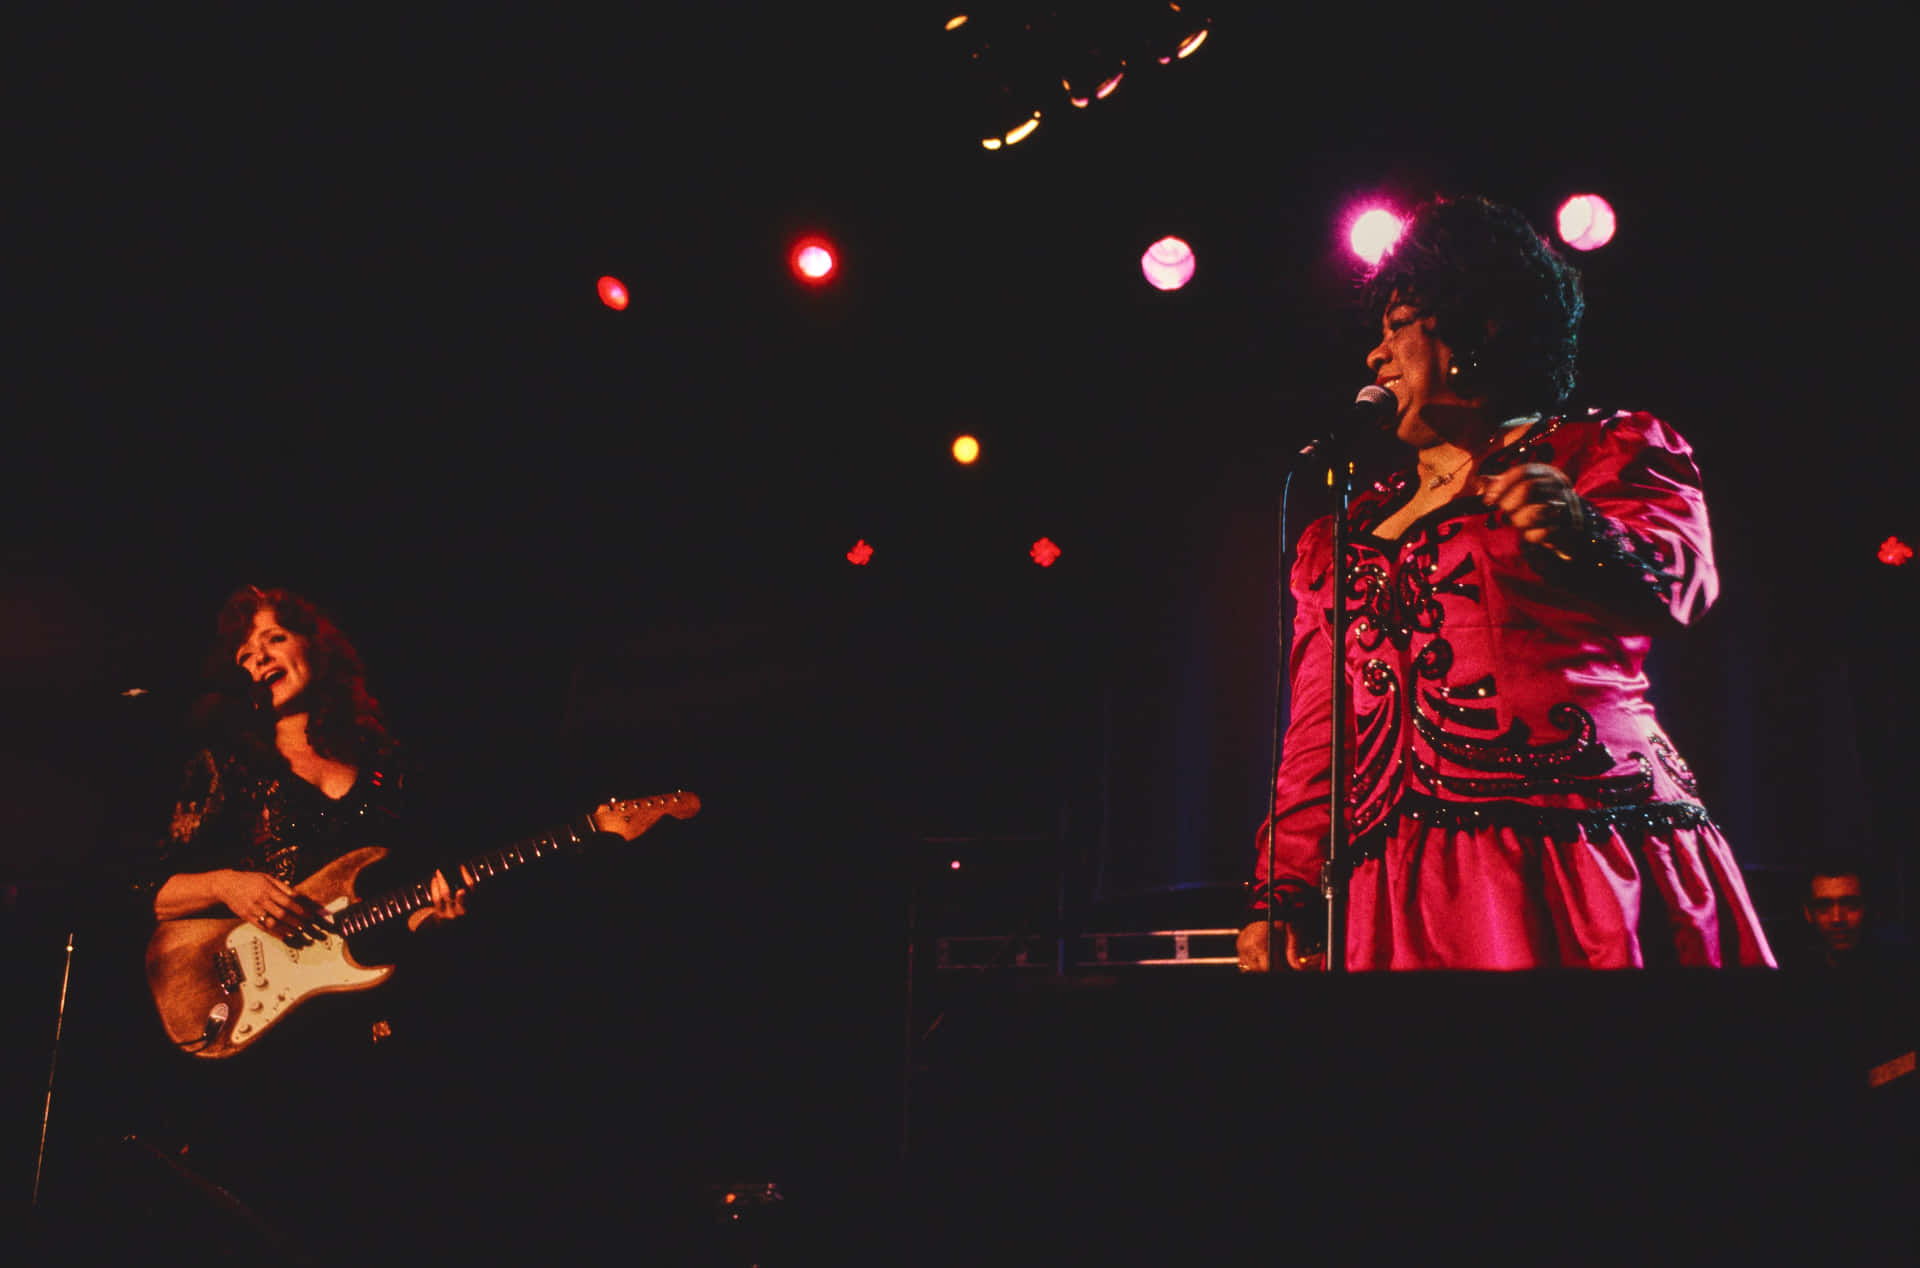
(630, 818)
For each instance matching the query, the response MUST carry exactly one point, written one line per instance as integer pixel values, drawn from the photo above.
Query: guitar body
(199, 965)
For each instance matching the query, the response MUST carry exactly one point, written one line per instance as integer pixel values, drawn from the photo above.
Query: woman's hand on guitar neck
(448, 903)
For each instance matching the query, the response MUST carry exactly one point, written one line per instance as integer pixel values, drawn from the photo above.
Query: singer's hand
(1539, 501)
(1255, 953)
(1252, 948)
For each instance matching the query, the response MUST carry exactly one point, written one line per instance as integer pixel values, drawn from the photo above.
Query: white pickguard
(275, 976)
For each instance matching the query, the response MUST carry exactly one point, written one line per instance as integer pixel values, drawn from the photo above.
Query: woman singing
(1514, 801)
(295, 780)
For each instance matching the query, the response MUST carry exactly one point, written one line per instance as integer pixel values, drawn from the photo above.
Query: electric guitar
(219, 983)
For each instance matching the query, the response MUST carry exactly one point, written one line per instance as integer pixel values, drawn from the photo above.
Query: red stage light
(813, 261)
(613, 293)
(860, 553)
(1586, 222)
(1168, 264)
(1373, 233)
(1894, 551)
(1044, 552)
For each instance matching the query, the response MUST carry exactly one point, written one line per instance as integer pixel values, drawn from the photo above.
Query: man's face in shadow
(1837, 910)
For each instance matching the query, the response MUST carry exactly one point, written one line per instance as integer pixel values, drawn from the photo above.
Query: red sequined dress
(1514, 801)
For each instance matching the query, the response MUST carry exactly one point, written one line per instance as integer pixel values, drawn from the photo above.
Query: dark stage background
(309, 302)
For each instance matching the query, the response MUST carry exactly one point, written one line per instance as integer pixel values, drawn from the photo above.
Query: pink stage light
(613, 293)
(813, 261)
(1373, 234)
(1586, 222)
(1168, 264)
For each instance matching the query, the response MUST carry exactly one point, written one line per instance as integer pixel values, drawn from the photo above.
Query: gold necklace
(1500, 433)
(1441, 480)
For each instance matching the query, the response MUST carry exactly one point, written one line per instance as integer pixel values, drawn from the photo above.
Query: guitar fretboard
(377, 910)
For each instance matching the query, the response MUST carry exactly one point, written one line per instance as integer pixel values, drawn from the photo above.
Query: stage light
(1191, 43)
(1105, 90)
(1168, 264)
(965, 450)
(957, 21)
(860, 553)
(1894, 551)
(954, 866)
(1373, 234)
(1586, 222)
(990, 143)
(1025, 130)
(613, 293)
(813, 261)
(1044, 552)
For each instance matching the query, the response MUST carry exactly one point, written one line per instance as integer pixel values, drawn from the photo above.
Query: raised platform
(1568, 1118)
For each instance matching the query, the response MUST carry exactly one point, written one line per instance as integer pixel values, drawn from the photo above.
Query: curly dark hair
(344, 720)
(1497, 292)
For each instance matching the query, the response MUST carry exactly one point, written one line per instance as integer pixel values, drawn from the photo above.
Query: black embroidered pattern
(1674, 765)
(1434, 660)
(1634, 822)
(1379, 734)
(1472, 718)
(1389, 607)
(1578, 754)
(1625, 560)
(1371, 603)
(1515, 767)
(1611, 789)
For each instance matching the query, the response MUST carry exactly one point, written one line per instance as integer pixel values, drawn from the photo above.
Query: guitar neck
(399, 903)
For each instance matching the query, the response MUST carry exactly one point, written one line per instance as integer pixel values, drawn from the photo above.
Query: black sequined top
(232, 814)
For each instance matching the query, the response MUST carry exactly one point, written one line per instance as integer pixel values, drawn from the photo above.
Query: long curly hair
(344, 720)
(1498, 294)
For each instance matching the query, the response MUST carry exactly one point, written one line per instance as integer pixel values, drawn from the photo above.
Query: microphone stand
(1336, 873)
(53, 1066)
(1373, 404)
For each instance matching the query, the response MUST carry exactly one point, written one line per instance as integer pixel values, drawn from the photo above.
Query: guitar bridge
(226, 970)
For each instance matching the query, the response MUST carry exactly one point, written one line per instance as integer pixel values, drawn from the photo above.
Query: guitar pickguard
(278, 976)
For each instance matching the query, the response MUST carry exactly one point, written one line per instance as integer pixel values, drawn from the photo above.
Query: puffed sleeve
(191, 840)
(1647, 553)
(1297, 823)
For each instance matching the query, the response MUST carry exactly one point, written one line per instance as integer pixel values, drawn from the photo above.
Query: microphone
(1374, 405)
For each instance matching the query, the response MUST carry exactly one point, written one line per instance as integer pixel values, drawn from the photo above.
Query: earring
(1463, 373)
